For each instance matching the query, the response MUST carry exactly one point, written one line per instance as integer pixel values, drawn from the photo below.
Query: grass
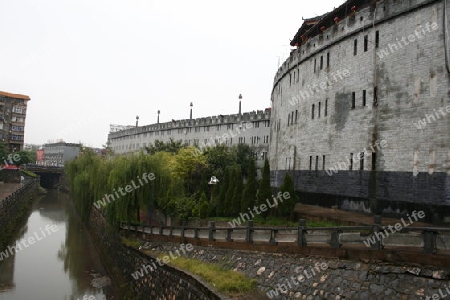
(131, 242)
(322, 224)
(31, 174)
(224, 280)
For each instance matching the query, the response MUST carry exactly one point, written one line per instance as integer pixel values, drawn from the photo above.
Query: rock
(415, 271)
(439, 274)
(260, 271)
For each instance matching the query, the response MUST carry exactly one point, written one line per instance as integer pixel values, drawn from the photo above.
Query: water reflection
(60, 265)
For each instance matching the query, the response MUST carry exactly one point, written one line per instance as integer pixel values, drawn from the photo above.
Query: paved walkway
(351, 218)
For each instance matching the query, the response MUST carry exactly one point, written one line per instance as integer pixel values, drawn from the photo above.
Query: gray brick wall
(412, 82)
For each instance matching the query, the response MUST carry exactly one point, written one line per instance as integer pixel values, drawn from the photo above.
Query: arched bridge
(51, 176)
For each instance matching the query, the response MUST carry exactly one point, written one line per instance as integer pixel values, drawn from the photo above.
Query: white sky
(87, 64)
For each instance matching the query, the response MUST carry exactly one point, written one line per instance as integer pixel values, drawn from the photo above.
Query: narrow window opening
(318, 113)
(353, 100)
(375, 96)
(364, 97)
(296, 116)
(374, 161)
(355, 47)
(366, 43)
(361, 161)
(289, 119)
(351, 161)
(312, 112)
(317, 162)
(377, 39)
(315, 65)
(326, 107)
(328, 59)
(323, 162)
(310, 162)
(321, 62)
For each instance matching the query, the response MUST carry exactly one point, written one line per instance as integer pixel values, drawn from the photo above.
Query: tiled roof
(16, 96)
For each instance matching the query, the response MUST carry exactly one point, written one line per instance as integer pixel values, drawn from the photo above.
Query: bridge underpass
(51, 177)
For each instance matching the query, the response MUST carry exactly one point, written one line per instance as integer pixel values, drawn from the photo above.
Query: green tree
(236, 196)
(218, 158)
(265, 192)
(244, 154)
(25, 157)
(201, 210)
(250, 190)
(286, 208)
(224, 186)
(170, 146)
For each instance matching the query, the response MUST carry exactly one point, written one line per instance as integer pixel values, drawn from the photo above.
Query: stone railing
(427, 239)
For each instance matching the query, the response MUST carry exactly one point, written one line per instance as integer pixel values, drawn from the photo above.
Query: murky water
(54, 257)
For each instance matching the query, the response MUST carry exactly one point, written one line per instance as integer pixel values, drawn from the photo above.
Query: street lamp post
(212, 182)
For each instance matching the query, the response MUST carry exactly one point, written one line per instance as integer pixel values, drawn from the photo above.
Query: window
(326, 107)
(355, 47)
(328, 59)
(323, 162)
(364, 98)
(312, 112)
(374, 161)
(315, 64)
(318, 113)
(317, 162)
(292, 118)
(377, 39)
(366, 43)
(296, 116)
(351, 161)
(361, 161)
(290, 79)
(321, 62)
(375, 96)
(353, 100)
(310, 162)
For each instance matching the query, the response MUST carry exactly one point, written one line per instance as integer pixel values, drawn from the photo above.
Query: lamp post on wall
(137, 121)
(240, 98)
(158, 117)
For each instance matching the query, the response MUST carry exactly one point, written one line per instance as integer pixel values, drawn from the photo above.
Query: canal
(54, 258)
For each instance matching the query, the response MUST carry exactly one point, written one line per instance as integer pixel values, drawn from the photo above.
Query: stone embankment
(290, 276)
(122, 262)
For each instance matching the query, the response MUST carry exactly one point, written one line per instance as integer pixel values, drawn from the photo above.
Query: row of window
(228, 141)
(197, 129)
(319, 110)
(319, 63)
(364, 98)
(366, 43)
(355, 162)
(17, 128)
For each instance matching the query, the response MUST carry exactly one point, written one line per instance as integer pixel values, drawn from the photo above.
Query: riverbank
(289, 276)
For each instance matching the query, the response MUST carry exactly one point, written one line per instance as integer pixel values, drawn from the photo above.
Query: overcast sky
(87, 64)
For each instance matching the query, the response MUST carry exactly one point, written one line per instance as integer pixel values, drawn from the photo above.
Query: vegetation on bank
(221, 277)
(181, 183)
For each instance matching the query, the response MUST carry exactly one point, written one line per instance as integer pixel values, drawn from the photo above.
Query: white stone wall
(248, 128)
